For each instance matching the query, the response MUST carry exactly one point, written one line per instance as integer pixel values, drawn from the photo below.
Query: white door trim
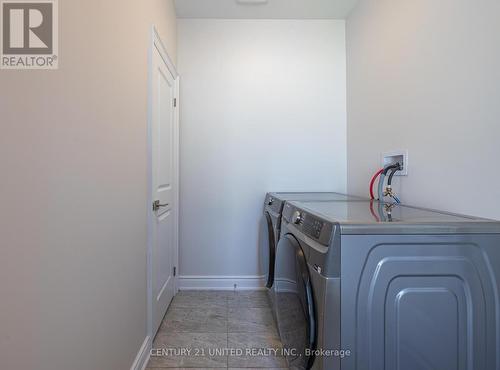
(157, 43)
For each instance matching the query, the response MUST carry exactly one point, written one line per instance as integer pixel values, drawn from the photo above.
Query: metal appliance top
(366, 217)
(275, 201)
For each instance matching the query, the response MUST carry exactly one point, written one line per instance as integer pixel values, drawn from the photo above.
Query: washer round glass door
(294, 303)
(267, 246)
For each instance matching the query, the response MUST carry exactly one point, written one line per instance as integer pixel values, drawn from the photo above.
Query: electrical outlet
(400, 156)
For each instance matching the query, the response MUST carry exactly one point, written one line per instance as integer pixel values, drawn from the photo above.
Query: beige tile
(198, 320)
(251, 320)
(191, 350)
(195, 368)
(199, 299)
(201, 319)
(256, 342)
(205, 293)
(250, 299)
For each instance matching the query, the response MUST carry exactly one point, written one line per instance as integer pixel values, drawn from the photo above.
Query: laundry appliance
(271, 224)
(369, 286)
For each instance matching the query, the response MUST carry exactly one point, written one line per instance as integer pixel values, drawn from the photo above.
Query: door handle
(157, 205)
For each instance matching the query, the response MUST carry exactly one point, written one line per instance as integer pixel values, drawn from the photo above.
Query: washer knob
(297, 217)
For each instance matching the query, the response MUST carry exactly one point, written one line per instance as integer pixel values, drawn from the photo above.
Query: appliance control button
(297, 217)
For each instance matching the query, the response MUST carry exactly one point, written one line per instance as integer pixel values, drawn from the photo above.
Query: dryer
(396, 288)
(271, 224)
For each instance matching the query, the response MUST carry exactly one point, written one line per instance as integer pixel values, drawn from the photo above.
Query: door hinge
(175, 102)
(175, 270)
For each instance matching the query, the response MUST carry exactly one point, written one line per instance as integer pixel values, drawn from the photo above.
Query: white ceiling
(273, 9)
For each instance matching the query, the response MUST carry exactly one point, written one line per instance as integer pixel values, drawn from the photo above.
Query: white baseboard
(142, 358)
(246, 282)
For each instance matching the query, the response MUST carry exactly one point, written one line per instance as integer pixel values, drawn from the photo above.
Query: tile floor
(201, 327)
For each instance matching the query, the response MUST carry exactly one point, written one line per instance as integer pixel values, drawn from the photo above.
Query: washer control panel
(310, 225)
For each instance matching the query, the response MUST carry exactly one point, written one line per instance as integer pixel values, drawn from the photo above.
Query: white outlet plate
(400, 156)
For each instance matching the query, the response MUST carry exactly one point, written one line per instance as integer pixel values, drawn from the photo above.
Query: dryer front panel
(267, 247)
(295, 311)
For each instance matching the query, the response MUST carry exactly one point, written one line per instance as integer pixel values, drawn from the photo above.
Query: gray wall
(424, 75)
(73, 192)
(262, 108)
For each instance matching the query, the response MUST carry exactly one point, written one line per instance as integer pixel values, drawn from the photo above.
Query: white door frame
(156, 43)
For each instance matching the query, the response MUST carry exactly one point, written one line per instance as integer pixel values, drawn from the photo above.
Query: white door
(164, 182)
